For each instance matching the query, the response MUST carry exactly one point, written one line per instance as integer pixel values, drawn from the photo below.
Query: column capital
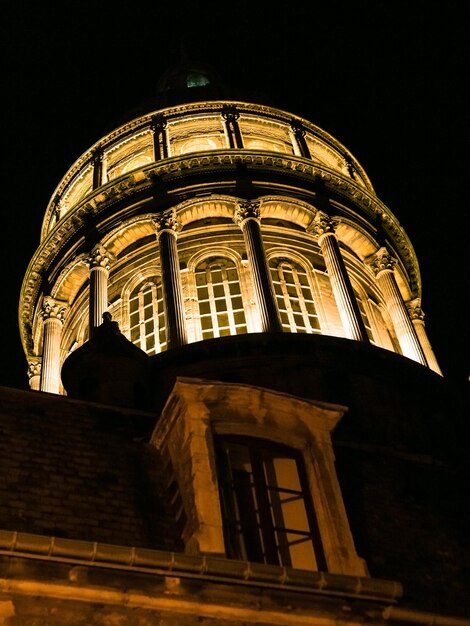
(34, 367)
(167, 222)
(53, 309)
(349, 164)
(322, 224)
(415, 310)
(230, 113)
(158, 123)
(297, 128)
(99, 257)
(381, 261)
(96, 158)
(245, 210)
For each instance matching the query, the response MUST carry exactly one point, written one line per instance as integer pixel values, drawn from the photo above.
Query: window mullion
(213, 309)
(264, 508)
(287, 303)
(300, 295)
(142, 320)
(156, 330)
(228, 302)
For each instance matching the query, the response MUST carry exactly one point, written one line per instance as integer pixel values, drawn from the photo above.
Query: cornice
(146, 121)
(215, 161)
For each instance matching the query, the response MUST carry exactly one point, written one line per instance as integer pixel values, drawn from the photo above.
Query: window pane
(221, 300)
(294, 297)
(146, 306)
(220, 305)
(267, 512)
(200, 278)
(222, 319)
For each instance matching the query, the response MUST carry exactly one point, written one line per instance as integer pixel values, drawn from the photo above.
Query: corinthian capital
(99, 257)
(167, 221)
(415, 310)
(323, 224)
(53, 309)
(381, 261)
(247, 209)
(34, 367)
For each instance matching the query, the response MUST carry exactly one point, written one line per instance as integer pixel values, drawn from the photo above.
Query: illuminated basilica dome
(214, 218)
(244, 412)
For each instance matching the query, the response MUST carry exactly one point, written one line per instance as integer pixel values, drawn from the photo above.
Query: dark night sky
(388, 79)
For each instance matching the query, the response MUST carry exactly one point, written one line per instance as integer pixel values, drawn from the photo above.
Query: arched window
(294, 297)
(268, 515)
(147, 321)
(219, 297)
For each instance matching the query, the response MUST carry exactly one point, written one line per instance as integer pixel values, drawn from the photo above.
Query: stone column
(167, 228)
(247, 216)
(382, 264)
(99, 264)
(34, 373)
(53, 315)
(417, 317)
(323, 227)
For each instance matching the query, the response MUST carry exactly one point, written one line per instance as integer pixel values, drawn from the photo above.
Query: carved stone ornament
(99, 257)
(229, 113)
(247, 209)
(167, 221)
(34, 368)
(52, 309)
(415, 310)
(323, 224)
(96, 158)
(381, 261)
(297, 128)
(158, 124)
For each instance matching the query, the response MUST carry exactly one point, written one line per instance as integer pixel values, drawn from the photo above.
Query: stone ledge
(141, 560)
